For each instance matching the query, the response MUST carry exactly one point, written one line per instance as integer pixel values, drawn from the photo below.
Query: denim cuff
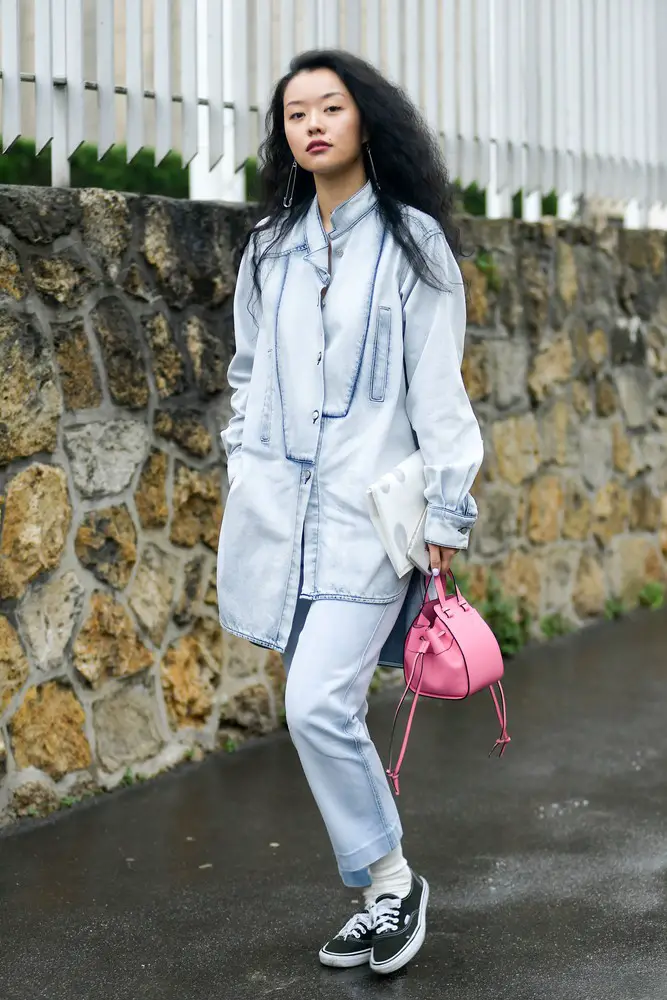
(448, 528)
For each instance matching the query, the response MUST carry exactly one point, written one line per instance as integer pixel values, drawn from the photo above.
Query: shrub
(652, 595)
(508, 618)
(613, 608)
(22, 165)
(555, 624)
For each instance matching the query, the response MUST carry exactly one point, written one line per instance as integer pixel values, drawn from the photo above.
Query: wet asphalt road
(547, 869)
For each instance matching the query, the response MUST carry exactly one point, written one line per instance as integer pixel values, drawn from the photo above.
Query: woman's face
(322, 122)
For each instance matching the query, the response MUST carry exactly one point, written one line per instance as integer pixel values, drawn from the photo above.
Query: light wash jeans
(330, 659)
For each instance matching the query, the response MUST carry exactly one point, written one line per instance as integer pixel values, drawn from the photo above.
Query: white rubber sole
(412, 947)
(344, 961)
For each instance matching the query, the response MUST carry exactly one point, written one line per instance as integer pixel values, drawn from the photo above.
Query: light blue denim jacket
(320, 410)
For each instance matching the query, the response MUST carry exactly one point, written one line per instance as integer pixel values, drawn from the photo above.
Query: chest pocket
(380, 366)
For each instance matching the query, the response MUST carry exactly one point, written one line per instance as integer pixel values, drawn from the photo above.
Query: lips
(318, 144)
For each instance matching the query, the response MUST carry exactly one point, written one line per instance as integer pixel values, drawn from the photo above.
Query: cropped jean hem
(356, 874)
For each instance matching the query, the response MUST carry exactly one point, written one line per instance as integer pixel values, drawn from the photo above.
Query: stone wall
(566, 362)
(115, 335)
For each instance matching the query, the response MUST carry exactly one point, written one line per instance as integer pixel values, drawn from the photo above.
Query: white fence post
(43, 74)
(60, 173)
(134, 74)
(220, 182)
(11, 82)
(76, 130)
(162, 79)
(106, 80)
(498, 196)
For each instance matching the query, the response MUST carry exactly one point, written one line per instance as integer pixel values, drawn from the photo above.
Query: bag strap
(393, 772)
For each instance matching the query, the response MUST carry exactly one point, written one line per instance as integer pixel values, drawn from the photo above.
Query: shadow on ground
(547, 869)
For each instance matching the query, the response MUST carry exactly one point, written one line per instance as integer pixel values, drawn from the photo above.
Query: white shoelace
(357, 925)
(385, 914)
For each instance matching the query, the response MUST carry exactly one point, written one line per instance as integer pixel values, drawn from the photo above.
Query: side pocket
(267, 410)
(380, 368)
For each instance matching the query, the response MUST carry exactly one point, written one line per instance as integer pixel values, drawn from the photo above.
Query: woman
(349, 320)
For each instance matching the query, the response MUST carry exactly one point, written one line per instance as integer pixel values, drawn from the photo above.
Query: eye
(295, 115)
(334, 107)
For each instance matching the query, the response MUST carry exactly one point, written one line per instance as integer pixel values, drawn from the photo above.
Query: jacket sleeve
(240, 369)
(438, 407)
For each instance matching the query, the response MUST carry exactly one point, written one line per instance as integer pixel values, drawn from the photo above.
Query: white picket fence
(538, 95)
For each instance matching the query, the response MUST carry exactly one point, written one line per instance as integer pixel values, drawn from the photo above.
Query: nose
(314, 124)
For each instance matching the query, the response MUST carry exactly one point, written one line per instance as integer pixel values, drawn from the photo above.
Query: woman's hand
(440, 558)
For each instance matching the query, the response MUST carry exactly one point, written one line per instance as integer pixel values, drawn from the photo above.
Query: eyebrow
(332, 93)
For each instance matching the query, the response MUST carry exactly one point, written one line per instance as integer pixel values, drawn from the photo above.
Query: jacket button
(339, 251)
(316, 416)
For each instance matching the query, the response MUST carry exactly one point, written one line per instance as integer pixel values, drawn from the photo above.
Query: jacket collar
(343, 218)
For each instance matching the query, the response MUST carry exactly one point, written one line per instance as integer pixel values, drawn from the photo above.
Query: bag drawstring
(393, 773)
(501, 711)
(502, 741)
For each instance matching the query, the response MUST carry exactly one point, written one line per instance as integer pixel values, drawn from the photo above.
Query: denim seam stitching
(335, 233)
(451, 510)
(362, 755)
(275, 343)
(265, 643)
(352, 387)
(296, 561)
(267, 409)
(316, 490)
(284, 253)
(381, 335)
(356, 600)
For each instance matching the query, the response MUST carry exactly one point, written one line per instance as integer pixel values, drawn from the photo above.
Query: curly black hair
(409, 164)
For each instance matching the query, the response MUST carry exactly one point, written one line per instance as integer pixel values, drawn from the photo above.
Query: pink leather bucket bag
(450, 652)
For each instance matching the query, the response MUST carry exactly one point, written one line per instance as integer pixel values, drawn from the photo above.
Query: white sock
(390, 874)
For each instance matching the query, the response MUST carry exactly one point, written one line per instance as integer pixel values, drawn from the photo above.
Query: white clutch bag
(397, 509)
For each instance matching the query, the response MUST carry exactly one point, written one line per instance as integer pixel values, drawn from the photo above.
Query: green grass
(131, 778)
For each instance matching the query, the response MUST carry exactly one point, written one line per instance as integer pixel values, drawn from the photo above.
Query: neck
(333, 191)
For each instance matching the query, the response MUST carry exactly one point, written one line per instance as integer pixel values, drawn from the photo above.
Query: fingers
(446, 556)
(440, 559)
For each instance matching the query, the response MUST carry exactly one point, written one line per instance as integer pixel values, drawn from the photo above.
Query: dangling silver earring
(291, 181)
(372, 165)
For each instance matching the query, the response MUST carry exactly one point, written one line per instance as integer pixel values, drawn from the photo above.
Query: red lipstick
(317, 145)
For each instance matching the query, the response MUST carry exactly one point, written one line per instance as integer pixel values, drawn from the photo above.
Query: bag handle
(441, 587)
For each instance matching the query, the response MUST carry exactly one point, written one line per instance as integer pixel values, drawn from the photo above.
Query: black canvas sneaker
(399, 927)
(352, 945)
